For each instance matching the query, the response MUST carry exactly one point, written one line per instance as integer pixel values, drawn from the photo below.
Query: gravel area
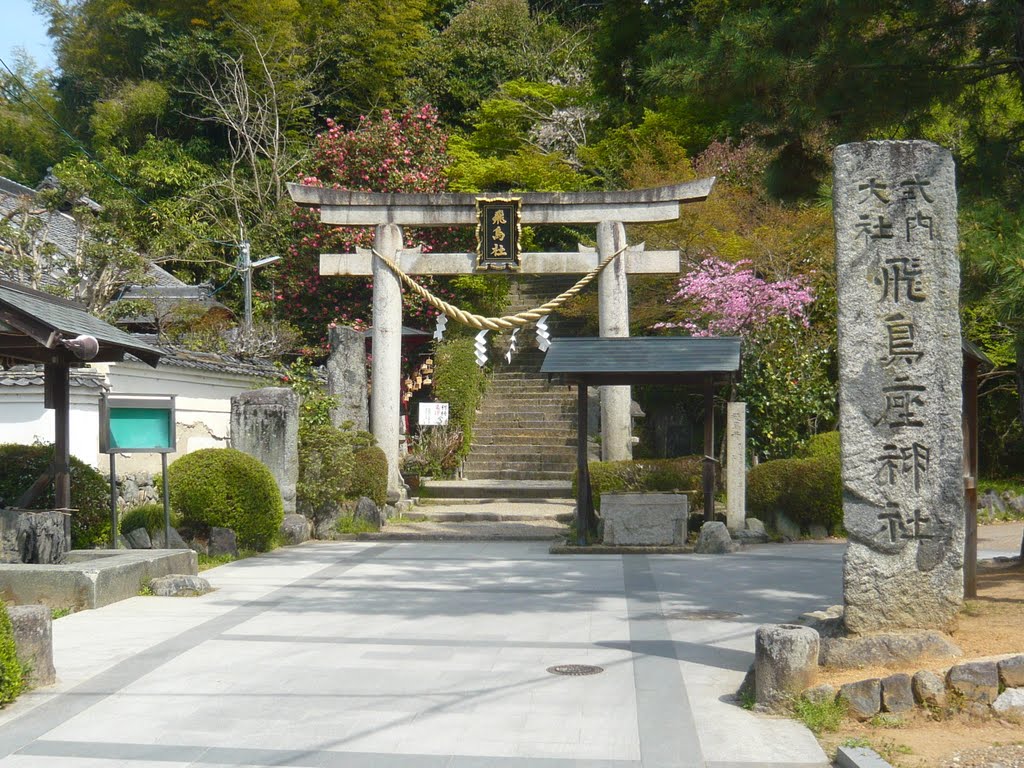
(990, 757)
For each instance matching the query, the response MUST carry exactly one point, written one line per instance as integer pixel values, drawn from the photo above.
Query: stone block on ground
(222, 541)
(369, 512)
(752, 533)
(179, 585)
(139, 539)
(1010, 703)
(714, 539)
(1011, 672)
(295, 529)
(817, 531)
(160, 540)
(346, 377)
(827, 623)
(33, 639)
(897, 694)
(755, 526)
(863, 698)
(644, 518)
(976, 681)
(929, 689)
(898, 647)
(785, 662)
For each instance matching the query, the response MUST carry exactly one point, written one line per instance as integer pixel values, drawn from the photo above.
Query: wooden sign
(497, 233)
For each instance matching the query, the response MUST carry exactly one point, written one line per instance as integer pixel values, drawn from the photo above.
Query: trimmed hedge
(369, 475)
(807, 489)
(230, 489)
(11, 676)
(20, 465)
(648, 475)
(461, 383)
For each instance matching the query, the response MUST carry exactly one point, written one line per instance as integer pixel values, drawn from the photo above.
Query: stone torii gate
(388, 212)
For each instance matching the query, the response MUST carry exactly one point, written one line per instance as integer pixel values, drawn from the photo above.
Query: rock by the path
(368, 511)
(295, 529)
(176, 542)
(1011, 672)
(863, 698)
(897, 695)
(1010, 702)
(976, 681)
(929, 689)
(714, 539)
(222, 541)
(820, 694)
(179, 585)
(139, 539)
(789, 530)
(818, 531)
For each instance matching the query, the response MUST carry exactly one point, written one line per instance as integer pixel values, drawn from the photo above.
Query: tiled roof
(32, 375)
(211, 361)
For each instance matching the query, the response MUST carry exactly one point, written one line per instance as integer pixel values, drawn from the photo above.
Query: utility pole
(246, 268)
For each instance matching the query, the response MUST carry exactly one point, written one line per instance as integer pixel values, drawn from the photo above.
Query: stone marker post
(899, 384)
(265, 425)
(736, 466)
(346, 377)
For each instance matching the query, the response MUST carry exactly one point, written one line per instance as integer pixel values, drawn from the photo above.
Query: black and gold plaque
(497, 233)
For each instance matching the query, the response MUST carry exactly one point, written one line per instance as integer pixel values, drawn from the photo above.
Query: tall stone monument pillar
(265, 425)
(900, 384)
(613, 320)
(386, 367)
(346, 377)
(736, 465)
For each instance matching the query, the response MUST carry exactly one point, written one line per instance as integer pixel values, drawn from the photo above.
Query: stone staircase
(526, 428)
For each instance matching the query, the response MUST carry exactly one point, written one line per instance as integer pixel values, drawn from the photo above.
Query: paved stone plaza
(429, 654)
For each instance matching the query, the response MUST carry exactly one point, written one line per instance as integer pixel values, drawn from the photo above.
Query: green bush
(648, 475)
(11, 677)
(20, 465)
(149, 516)
(369, 475)
(227, 488)
(808, 489)
(460, 382)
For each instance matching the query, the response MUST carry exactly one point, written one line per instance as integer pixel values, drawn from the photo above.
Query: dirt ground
(991, 626)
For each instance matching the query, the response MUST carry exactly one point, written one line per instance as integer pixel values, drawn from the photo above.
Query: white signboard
(433, 414)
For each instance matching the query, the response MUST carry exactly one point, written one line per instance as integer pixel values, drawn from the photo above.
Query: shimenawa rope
(496, 323)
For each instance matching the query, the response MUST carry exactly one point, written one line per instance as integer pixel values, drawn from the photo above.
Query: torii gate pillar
(386, 366)
(613, 319)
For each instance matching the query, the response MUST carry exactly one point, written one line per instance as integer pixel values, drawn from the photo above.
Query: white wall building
(203, 385)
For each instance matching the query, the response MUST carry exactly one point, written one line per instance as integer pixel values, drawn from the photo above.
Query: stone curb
(859, 757)
(469, 536)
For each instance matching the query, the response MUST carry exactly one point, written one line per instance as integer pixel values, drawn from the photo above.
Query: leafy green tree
(29, 142)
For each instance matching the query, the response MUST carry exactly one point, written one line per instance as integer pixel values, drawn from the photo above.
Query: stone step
(547, 428)
(482, 488)
(504, 454)
(546, 440)
(517, 474)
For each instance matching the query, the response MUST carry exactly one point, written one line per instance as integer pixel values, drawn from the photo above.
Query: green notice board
(132, 424)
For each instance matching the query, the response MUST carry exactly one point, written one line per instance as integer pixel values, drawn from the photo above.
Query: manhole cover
(575, 670)
(702, 615)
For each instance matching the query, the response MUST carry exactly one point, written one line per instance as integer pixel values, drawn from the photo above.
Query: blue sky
(20, 26)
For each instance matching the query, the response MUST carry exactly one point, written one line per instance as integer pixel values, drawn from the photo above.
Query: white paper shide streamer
(442, 323)
(511, 346)
(480, 348)
(543, 335)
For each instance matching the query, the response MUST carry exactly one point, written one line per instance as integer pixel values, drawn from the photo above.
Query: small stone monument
(900, 366)
(265, 425)
(346, 377)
